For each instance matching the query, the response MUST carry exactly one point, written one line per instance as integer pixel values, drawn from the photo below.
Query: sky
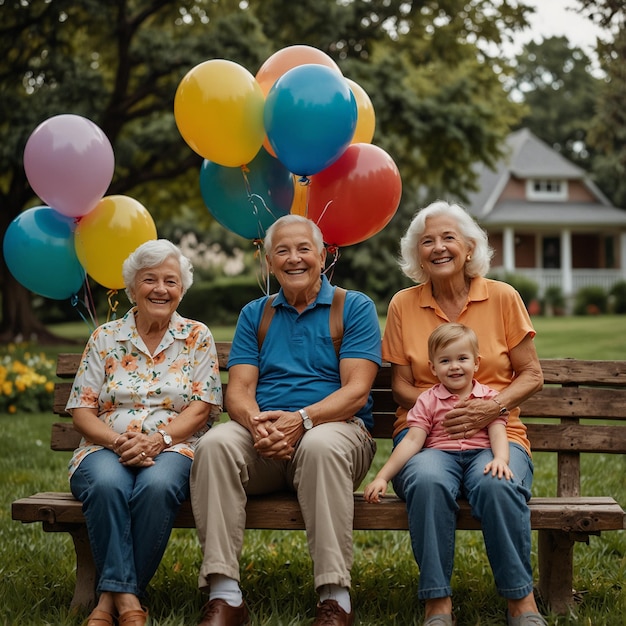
(553, 19)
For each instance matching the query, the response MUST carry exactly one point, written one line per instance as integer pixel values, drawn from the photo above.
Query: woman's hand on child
(375, 490)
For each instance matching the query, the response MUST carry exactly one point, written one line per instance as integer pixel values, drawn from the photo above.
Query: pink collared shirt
(431, 408)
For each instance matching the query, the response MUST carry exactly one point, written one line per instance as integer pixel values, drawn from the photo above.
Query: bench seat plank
(282, 512)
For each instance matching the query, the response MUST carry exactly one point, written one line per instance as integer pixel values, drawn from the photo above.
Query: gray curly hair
(150, 254)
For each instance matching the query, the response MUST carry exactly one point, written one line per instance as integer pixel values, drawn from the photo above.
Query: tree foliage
(560, 90)
(438, 95)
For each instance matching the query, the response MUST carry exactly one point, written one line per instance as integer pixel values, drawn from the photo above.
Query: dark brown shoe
(329, 613)
(220, 613)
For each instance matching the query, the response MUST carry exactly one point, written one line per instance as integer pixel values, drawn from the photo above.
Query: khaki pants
(328, 465)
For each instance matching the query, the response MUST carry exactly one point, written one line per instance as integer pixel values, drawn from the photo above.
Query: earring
(469, 258)
(422, 265)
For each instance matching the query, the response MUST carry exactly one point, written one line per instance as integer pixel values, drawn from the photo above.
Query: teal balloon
(310, 117)
(39, 251)
(247, 202)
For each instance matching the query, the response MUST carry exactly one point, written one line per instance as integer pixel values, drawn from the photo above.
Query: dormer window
(546, 189)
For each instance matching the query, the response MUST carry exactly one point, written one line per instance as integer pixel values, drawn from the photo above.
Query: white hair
(285, 220)
(475, 237)
(151, 254)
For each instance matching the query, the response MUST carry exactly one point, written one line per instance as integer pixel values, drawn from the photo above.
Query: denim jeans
(430, 483)
(130, 513)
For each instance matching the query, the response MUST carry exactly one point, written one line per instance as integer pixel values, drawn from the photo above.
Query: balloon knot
(304, 180)
(245, 169)
(332, 249)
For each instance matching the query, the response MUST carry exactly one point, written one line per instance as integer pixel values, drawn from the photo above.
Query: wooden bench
(579, 397)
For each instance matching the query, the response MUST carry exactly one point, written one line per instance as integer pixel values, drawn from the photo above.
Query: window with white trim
(550, 189)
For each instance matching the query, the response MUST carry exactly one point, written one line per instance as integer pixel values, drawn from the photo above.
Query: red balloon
(356, 196)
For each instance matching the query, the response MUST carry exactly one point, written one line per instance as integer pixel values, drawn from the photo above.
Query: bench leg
(556, 566)
(86, 577)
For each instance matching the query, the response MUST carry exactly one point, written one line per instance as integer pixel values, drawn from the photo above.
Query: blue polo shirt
(298, 365)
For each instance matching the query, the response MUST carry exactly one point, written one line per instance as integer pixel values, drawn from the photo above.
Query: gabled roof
(527, 156)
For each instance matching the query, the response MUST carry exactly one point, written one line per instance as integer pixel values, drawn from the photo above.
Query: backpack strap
(335, 319)
(266, 320)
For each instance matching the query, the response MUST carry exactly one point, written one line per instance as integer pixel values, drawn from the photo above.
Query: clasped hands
(135, 449)
(276, 433)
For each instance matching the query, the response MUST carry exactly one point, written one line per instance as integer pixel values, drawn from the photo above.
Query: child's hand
(499, 468)
(376, 489)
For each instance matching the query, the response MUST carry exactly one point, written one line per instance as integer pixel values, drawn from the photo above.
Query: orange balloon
(108, 234)
(300, 198)
(366, 117)
(287, 58)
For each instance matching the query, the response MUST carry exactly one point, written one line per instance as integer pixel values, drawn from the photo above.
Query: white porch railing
(580, 278)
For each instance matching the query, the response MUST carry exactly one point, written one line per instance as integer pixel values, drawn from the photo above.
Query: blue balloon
(247, 201)
(310, 117)
(39, 251)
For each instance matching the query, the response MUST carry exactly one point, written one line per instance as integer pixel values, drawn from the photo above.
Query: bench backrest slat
(574, 390)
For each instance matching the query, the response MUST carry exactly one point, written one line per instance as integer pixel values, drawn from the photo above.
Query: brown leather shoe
(329, 613)
(134, 617)
(219, 613)
(99, 618)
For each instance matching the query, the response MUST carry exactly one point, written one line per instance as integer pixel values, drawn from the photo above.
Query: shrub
(26, 380)
(553, 300)
(618, 297)
(526, 287)
(591, 300)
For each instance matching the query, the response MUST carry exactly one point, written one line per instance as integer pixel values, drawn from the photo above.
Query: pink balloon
(69, 164)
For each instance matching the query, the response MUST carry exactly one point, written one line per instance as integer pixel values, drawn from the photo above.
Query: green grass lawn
(36, 568)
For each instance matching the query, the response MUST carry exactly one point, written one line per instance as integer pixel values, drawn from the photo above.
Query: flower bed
(26, 380)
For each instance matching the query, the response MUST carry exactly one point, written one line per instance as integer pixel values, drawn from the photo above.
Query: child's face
(455, 365)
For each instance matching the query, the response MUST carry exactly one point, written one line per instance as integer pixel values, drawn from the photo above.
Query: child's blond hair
(445, 334)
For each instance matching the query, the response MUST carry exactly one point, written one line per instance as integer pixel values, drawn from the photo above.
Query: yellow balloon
(366, 117)
(105, 236)
(218, 109)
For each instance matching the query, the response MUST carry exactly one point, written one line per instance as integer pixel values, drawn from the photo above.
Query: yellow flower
(12, 408)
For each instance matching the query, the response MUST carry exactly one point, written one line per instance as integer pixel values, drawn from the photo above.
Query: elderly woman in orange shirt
(448, 255)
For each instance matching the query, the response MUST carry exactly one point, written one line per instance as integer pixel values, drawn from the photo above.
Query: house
(547, 221)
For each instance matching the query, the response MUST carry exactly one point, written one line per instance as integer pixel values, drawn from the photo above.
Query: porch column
(622, 255)
(508, 250)
(566, 263)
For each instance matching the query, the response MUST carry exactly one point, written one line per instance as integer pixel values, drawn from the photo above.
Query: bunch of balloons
(294, 138)
(49, 249)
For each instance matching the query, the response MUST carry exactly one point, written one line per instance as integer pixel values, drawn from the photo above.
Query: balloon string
(319, 219)
(111, 314)
(330, 270)
(262, 276)
(75, 301)
(252, 198)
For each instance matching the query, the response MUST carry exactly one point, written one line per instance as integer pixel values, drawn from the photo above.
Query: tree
(607, 133)
(560, 91)
(438, 95)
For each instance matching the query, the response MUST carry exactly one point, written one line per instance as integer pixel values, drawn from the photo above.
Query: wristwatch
(306, 420)
(167, 438)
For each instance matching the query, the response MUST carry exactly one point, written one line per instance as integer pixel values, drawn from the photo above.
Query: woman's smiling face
(158, 290)
(442, 249)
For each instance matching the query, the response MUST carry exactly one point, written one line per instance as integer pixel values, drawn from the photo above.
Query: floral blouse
(134, 390)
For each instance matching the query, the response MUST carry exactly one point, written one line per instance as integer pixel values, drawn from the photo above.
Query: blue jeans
(130, 513)
(431, 482)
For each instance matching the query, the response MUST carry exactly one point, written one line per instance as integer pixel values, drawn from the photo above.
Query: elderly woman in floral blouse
(147, 388)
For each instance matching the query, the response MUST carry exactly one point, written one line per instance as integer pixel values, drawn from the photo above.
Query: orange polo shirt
(496, 313)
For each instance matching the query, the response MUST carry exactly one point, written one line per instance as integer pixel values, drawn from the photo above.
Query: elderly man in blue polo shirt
(300, 409)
